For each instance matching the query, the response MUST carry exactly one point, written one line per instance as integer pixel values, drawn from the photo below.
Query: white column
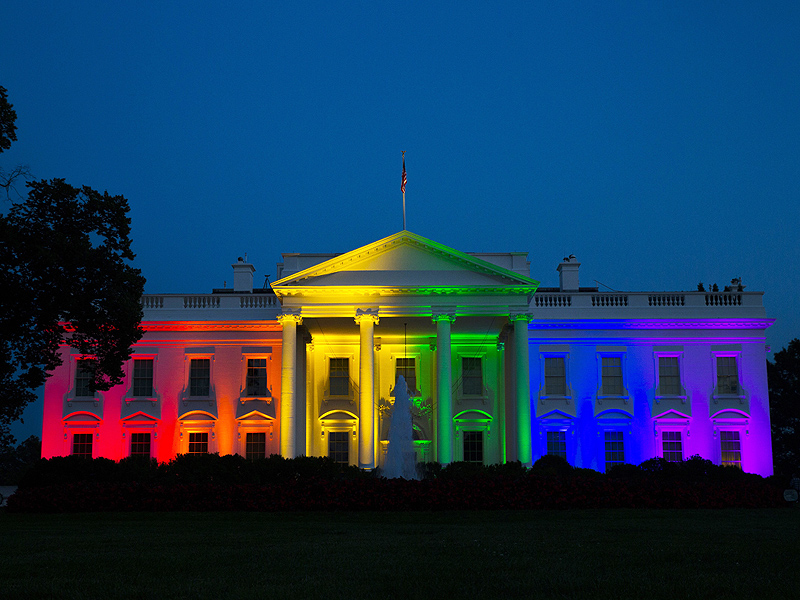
(366, 319)
(444, 388)
(523, 387)
(289, 384)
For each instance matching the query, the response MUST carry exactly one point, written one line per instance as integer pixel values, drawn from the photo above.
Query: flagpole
(403, 189)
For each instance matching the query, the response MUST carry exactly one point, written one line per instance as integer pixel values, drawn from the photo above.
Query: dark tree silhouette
(784, 408)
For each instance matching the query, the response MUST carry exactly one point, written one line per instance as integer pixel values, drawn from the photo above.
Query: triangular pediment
(410, 261)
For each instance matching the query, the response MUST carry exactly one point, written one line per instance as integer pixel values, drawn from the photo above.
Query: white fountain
(400, 456)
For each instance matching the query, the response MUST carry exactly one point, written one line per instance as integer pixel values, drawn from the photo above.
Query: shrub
(551, 465)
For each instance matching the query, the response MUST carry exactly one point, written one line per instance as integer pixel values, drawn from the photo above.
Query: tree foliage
(8, 118)
(64, 272)
(65, 278)
(784, 408)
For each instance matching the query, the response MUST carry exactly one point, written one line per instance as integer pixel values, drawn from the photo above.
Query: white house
(499, 368)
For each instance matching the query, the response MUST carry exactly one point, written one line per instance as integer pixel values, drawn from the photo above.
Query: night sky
(658, 142)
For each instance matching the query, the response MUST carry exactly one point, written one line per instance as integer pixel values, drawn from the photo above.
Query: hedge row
(211, 482)
(502, 492)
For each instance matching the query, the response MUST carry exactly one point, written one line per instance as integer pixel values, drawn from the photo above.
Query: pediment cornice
(302, 283)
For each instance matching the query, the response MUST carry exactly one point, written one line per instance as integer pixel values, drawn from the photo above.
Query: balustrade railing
(152, 302)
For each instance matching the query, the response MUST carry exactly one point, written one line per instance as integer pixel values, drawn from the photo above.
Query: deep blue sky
(659, 142)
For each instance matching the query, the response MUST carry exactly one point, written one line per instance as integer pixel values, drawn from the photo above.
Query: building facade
(498, 368)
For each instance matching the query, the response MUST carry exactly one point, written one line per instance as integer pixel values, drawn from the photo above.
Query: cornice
(378, 291)
(340, 262)
(651, 323)
(211, 326)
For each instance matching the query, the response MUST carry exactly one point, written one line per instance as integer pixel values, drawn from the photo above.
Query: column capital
(501, 346)
(365, 315)
(527, 317)
(445, 316)
(289, 318)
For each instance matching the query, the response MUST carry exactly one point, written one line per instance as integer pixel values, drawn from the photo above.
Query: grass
(547, 554)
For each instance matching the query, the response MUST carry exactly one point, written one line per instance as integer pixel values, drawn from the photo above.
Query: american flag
(405, 179)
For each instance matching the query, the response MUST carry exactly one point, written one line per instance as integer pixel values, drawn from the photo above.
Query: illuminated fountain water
(400, 456)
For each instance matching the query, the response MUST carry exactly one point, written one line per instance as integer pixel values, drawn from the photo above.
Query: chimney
(243, 276)
(568, 274)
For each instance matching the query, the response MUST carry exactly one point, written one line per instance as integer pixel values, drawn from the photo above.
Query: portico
(405, 304)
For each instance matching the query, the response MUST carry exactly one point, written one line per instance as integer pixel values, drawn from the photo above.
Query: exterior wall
(580, 327)
(171, 414)
(642, 415)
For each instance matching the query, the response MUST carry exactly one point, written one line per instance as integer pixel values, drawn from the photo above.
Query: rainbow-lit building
(499, 369)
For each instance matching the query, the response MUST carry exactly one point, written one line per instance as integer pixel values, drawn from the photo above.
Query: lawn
(589, 554)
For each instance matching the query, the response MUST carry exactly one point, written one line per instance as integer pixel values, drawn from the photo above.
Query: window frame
(543, 395)
(247, 444)
(469, 432)
(552, 424)
(348, 378)
(659, 393)
(738, 425)
(350, 426)
(189, 387)
(249, 354)
(623, 365)
(189, 442)
(664, 441)
(673, 424)
(131, 443)
(129, 372)
(736, 356)
(151, 376)
(562, 433)
(605, 442)
(71, 397)
(92, 435)
(413, 392)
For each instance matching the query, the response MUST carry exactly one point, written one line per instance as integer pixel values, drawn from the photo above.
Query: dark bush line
(234, 469)
(487, 493)
(212, 482)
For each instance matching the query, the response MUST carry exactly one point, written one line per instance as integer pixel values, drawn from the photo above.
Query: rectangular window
(140, 444)
(256, 383)
(615, 449)
(198, 443)
(82, 445)
(472, 376)
(672, 446)
(557, 443)
(405, 367)
(669, 376)
(340, 376)
(256, 445)
(339, 447)
(473, 446)
(143, 377)
(555, 376)
(200, 377)
(83, 377)
(730, 444)
(727, 375)
(612, 375)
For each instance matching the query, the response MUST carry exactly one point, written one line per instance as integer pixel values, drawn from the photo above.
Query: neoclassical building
(498, 368)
